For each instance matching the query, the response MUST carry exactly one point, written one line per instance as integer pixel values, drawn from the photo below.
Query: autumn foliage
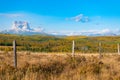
(43, 43)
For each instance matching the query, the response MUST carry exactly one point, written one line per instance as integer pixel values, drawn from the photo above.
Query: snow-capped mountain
(105, 32)
(22, 27)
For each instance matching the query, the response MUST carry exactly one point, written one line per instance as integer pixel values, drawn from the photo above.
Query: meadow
(39, 66)
(48, 44)
(43, 57)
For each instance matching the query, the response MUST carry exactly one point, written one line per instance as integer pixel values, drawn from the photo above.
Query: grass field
(44, 66)
(42, 43)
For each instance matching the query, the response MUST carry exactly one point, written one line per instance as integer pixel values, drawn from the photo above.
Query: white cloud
(79, 18)
(39, 29)
(103, 31)
(106, 31)
(11, 15)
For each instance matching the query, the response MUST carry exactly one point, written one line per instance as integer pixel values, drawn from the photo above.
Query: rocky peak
(21, 25)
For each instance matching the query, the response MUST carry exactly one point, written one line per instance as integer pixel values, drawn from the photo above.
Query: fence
(65, 46)
(99, 48)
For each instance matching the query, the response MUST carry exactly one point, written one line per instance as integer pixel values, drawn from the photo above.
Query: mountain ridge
(24, 28)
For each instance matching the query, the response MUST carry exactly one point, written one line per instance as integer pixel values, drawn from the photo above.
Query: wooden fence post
(15, 54)
(73, 48)
(100, 55)
(118, 48)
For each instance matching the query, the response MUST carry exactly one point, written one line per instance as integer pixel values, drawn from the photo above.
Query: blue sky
(62, 15)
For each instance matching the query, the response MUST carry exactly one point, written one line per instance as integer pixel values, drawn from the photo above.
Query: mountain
(22, 27)
(105, 32)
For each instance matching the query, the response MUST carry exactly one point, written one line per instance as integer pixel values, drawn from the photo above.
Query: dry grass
(60, 67)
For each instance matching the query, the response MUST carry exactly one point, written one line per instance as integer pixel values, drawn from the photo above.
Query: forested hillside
(43, 43)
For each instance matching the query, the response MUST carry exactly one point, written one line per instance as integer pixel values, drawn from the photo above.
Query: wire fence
(98, 48)
(79, 47)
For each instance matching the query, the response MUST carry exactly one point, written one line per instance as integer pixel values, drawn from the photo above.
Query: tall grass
(59, 67)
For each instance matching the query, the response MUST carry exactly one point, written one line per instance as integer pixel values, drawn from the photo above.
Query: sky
(62, 15)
